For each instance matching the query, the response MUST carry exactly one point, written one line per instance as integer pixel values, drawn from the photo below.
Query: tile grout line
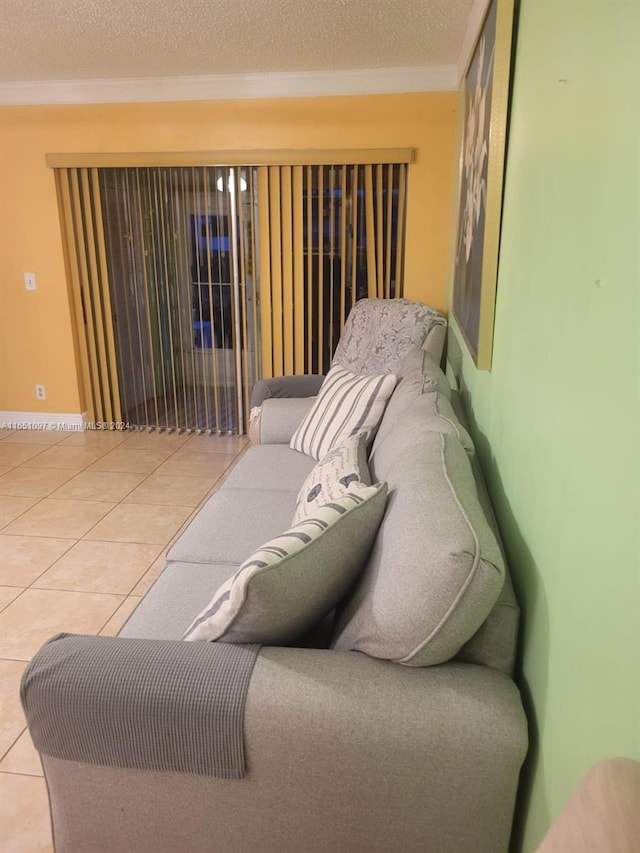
(66, 551)
(38, 500)
(16, 773)
(74, 541)
(20, 514)
(65, 591)
(148, 567)
(114, 613)
(119, 502)
(22, 589)
(13, 742)
(106, 542)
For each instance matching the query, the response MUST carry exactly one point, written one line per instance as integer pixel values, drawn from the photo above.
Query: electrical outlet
(40, 392)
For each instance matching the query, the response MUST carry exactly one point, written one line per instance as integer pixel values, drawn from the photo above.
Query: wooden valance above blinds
(266, 157)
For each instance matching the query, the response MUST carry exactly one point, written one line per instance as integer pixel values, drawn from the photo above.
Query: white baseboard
(42, 420)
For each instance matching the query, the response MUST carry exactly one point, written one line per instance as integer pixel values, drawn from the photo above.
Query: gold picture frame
(485, 95)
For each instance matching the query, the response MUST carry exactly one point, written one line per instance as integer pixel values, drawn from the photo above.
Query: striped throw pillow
(289, 584)
(346, 404)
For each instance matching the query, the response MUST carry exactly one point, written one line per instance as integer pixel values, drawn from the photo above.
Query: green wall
(557, 418)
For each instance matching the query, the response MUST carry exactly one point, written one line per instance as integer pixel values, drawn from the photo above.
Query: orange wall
(35, 331)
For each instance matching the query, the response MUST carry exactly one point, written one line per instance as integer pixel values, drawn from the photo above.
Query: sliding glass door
(178, 280)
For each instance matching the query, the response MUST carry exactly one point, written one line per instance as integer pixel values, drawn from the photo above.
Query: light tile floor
(81, 540)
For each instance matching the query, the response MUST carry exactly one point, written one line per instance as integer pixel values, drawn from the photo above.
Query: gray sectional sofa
(393, 725)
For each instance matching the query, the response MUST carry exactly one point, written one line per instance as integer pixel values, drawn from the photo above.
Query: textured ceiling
(82, 39)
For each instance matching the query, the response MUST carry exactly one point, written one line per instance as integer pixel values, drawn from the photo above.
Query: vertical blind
(85, 259)
(330, 235)
(160, 268)
(188, 283)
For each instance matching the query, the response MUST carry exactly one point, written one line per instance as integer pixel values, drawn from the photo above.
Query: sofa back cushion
(420, 401)
(495, 643)
(436, 568)
(419, 366)
(405, 425)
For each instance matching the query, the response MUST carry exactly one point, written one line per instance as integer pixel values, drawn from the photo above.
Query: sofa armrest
(305, 385)
(343, 752)
(281, 425)
(280, 417)
(140, 703)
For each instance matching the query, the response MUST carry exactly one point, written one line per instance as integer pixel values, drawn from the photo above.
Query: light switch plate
(29, 281)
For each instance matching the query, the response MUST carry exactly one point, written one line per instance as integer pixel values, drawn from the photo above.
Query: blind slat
(286, 214)
(93, 289)
(265, 273)
(63, 181)
(379, 232)
(388, 233)
(320, 329)
(244, 294)
(309, 280)
(298, 270)
(372, 282)
(354, 236)
(167, 251)
(85, 294)
(402, 190)
(276, 270)
(343, 244)
(190, 361)
(103, 279)
(253, 266)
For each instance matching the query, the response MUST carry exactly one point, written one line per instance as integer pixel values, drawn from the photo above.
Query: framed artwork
(485, 94)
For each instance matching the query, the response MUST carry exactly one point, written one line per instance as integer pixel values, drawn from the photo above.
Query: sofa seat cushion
(181, 591)
(293, 581)
(270, 466)
(343, 468)
(436, 569)
(346, 405)
(232, 524)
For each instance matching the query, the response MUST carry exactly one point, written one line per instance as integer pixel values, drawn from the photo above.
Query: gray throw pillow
(289, 584)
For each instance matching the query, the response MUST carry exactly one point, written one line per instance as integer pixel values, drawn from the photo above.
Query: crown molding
(232, 86)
